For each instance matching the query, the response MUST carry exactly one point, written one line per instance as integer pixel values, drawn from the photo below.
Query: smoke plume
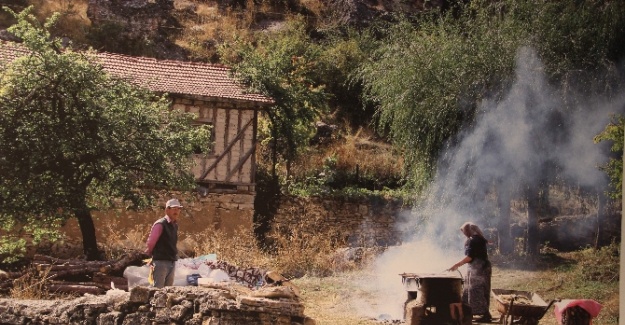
(535, 131)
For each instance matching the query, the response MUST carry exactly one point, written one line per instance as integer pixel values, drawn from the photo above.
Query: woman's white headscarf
(471, 229)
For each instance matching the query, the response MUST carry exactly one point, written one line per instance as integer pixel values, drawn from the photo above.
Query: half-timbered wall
(230, 164)
(225, 201)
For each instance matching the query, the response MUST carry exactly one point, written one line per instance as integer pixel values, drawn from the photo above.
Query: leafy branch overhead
(74, 139)
(614, 167)
(283, 66)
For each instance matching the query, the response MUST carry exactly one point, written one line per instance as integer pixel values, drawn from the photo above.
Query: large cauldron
(434, 299)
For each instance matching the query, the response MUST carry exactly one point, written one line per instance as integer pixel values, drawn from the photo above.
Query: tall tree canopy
(614, 167)
(282, 66)
(74, 139)
(427, 78)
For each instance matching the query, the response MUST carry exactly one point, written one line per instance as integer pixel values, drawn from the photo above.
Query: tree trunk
(274, 146)
(505, 243)
(601, 199)
(87, 229)
(532, 220)
(83, 288)
(621, 257)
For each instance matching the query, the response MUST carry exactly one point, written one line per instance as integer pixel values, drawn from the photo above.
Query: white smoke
(511, 142)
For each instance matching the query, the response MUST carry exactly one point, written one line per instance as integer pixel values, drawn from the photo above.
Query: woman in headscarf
(477, 282)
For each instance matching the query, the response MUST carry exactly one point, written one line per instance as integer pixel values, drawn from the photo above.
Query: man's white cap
(173, 203)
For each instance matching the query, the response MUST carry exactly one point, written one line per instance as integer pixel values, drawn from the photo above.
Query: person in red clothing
(161, 245)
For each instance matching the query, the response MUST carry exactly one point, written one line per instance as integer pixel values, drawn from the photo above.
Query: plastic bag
(137, 276)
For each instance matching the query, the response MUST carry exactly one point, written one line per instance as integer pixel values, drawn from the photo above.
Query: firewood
(75, 288)
(107, 286)
(104, 281)
(85, 271)
(44, 259)
(4, 275)
(6, 285)
(103, 273)
(118, 266)
(64, 267)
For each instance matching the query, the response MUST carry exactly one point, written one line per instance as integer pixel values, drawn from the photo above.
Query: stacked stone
(171, 305)
(362, 222)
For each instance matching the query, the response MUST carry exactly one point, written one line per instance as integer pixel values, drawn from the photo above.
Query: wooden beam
(241, 162)
(226, 150)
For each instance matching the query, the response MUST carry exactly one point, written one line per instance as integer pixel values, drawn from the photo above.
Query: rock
(169, 305)
(141, 294)
(138, 24)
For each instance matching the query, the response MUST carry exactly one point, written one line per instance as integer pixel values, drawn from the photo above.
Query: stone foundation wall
(213, 212)
(171, 305)
(358, 222)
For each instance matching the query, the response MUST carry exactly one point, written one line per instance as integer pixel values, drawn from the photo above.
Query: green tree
(614, 167)
(74, 139)
(282, 65)
(576, 35)
(427, 79)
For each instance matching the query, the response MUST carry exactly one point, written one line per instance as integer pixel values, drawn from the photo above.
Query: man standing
(161, 245)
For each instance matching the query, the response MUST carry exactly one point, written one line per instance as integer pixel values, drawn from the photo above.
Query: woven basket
(537, 308)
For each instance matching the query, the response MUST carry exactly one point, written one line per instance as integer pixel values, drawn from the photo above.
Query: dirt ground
(342, 300)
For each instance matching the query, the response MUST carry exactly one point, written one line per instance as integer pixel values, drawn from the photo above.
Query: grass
(349, 166)
(335, 300)
(31, 285)
(337, 291)
(329, 300)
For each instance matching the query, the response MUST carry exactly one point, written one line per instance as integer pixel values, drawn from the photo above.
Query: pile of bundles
(207, 271)
(78, 276)
(188, 270)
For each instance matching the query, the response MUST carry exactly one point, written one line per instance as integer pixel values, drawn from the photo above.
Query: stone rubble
(184, 305)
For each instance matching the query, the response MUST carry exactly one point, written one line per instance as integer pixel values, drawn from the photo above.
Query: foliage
(614, 167)
(340, 57)
(587, 273)
(31, 285)
(424, 101)
(73, 138)
(282, 65)
(352, 167)
(577, 35)
(460, 57)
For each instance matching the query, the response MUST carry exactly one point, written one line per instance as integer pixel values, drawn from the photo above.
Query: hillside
(457, 114)
(193, 29)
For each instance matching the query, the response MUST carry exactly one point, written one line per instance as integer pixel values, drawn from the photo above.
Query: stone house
(225, 178)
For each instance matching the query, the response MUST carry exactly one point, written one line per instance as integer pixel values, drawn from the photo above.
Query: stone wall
(201, 214)
(359, 222)
(187, 305)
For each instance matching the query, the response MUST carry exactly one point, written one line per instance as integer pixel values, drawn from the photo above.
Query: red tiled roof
(168, 76)
(9, 51)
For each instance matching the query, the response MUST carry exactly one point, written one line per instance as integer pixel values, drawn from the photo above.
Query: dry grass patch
(116, 243)
(357, 157)
(239, 248)
(31, 285)
(293, 251)
(329, 300)
(73, 21)
(203, 32)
